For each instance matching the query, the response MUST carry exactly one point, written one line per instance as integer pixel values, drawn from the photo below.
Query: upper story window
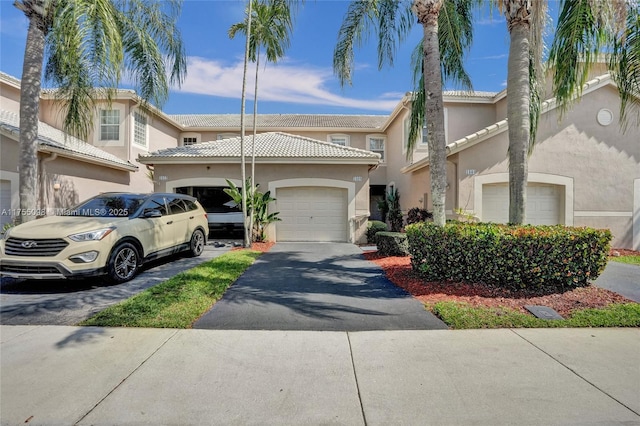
(139, 129)
(342, 140)
(377, 144)
(109, 124)
(190, 138)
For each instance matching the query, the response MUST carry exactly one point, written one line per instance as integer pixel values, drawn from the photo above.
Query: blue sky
(303, 82)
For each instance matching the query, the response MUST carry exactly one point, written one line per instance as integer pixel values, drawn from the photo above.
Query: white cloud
(491, 57)
(285, 82)
(504, 83)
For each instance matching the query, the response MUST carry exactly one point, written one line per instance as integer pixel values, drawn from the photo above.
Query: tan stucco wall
(170, 176)
(9, 98)
(464, 119)
(600, 161)
(78, 180)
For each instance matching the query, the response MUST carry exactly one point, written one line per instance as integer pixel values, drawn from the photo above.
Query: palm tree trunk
(29, 115)
(253, 147)
(518, 117)
(247, 241)
(427, 12)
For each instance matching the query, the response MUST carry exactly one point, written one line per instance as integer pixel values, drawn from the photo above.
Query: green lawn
(461, 316)
(181, 300)
(632, 259)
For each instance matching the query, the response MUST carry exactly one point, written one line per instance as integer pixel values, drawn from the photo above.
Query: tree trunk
(427, 12)
(518, 116)
(29, 115)
(247, 242)
(253, 148)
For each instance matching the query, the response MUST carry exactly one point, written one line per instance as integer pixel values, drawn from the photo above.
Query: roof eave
(269, 160)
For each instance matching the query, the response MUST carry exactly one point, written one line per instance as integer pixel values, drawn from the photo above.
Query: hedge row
(373, 227)
(534, 257)
(392, 244)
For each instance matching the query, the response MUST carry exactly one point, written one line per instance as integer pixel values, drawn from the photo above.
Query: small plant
(417, 214)
(257, 202)
(395, 214)
(373, 227)
(8, 225)
(466, 215)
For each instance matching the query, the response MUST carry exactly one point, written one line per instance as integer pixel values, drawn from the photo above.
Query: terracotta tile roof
(58, 141)
(283, 120)
(272, 145)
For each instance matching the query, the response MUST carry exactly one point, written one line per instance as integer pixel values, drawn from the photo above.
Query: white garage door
(311, 214)
(543, 204)
(5, 202)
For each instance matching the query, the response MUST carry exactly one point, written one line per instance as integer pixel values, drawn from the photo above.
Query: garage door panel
(312, 214)
(543, 204)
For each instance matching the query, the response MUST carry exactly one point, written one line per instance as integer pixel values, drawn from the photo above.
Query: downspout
(43, 182)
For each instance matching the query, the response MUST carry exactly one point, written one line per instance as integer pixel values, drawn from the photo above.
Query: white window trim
(146, 129)
(339, 135)
(384, 144)
(197, 136)
(121, 133)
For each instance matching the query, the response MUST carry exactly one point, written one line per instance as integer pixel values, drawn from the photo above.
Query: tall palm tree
(585, 29)
(525, 22)
(271, 26)
(392, 21)
(91, 43)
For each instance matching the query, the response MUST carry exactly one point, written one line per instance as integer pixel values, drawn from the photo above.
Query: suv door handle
(170, 222)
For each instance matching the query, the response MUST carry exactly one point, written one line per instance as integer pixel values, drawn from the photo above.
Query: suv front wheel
(123, 263)
(196, 246)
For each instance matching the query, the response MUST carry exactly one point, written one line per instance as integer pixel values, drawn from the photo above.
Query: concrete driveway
(67, 302)
(316, 286)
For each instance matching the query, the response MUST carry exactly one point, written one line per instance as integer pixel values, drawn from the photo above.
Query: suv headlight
(96, 235)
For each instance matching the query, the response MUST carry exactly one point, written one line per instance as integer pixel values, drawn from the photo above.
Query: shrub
(533, 257)
(417, 214)
(395, 213)
(392, 244)
(373, 227)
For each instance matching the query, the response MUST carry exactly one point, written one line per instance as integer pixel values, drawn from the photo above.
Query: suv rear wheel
(123, 263)
(196, 246)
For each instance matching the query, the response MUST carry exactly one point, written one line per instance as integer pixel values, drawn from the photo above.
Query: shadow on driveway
(316, 286)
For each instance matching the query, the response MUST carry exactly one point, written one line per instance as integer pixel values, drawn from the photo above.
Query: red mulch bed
(398, 271)
(623, 252)
(261, 247)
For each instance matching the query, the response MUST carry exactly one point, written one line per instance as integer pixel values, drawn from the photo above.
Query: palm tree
(392, 21)
(271, 27)
(586, 28)
(92, 43)
(525, 22)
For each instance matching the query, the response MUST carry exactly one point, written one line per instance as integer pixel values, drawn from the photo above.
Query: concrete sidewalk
(105, 376)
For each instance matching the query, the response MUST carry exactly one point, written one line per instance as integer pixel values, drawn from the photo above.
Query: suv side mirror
(150, 213)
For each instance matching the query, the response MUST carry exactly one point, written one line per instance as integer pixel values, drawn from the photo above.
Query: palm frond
(389, 20)
(455, 36)
(578, 40)
(625, 65)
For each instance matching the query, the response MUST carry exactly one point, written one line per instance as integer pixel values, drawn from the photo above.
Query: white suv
(111, 234)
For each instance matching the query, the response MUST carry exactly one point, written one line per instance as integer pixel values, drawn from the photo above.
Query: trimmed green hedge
(373, 227)
(534, 257)
(392, 244)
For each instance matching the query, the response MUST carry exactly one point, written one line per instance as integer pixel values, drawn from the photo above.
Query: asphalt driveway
(316, 286)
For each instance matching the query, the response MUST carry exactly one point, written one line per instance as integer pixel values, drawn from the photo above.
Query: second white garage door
(311, 214)
(543, 204)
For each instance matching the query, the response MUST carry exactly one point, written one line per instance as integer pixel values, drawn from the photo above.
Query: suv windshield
(115, 205)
